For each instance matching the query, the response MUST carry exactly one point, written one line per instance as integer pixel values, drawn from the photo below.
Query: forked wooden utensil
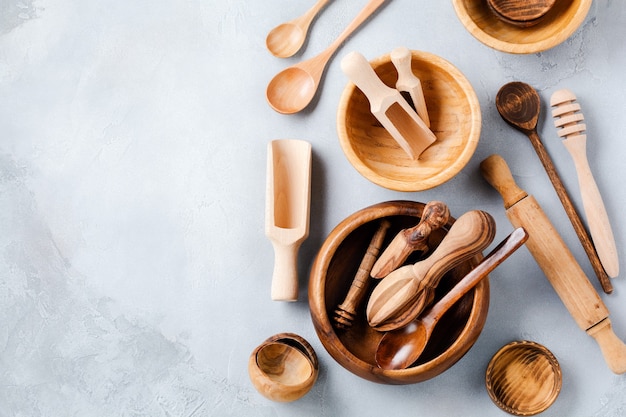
(519, 105)
(407, 241)
(346, 311)
(408, 82)
(287, 210)
(402, 295)
(292, 89)
(389, 107)
(557, 262)
(400, 348)
(569, 121)
(287, 38)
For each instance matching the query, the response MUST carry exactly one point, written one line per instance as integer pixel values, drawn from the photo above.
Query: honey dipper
(571, 127)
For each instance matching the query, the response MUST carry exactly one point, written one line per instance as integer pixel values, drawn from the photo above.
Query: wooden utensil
(569, 122)
(403, 294)
(557, 262)
(287, 38)
(400, 348)
(409, 83)
(292, 89)
(389, 107)
(346, 311)
(519, 105)
(284, 367)
(287, 210)
(522, 13)
(435, 215)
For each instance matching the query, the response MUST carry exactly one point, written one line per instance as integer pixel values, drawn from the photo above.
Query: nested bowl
(555, 27)
(354, 348)
(455, 118)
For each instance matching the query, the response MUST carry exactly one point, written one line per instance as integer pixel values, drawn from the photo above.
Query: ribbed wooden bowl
(333, 271)
(554, 28)
(454, 113)
(523, 378)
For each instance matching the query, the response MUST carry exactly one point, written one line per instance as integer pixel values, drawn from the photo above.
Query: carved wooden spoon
(287, 38)
(400, 348)
(403, 294)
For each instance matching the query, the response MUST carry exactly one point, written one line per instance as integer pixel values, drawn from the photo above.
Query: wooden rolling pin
(557, 262)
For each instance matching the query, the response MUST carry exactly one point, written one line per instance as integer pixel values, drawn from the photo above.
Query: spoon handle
(306, 19)
(488, 264)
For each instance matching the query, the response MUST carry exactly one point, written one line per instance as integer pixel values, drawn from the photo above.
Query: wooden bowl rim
(322, 322)
(522, 48)
(444, 175)
(529, 346)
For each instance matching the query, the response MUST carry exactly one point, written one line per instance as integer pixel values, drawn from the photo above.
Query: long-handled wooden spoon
(519, 105)
(401, 348)
(571, 127)
(434, 216)
(406, 292)
(292, 89)
(287, 210)
(287, 38)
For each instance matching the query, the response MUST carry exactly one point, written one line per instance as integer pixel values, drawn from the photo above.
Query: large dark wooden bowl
(333, 271)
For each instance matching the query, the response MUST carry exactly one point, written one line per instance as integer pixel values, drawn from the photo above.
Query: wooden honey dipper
(571, 127)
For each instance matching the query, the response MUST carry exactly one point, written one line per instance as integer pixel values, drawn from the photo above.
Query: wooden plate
(455, 119)
(523, 378)
(554, 28)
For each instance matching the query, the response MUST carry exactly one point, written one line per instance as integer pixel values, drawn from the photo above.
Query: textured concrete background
(134, 270)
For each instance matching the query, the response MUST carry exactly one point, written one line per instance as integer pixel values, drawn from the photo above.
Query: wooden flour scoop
(287, 208)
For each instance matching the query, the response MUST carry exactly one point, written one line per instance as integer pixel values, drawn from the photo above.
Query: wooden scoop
(408, 82)
(287, 210)
(434, 216)
(401, 348)
(519, 105)
(403, 294)
(569, 121)
(389, 107)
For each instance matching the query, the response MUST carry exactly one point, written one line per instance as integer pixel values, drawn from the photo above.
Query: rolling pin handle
(613, 348)
(497, 173)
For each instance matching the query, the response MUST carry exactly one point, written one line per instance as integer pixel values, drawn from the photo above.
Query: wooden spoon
(403, 294)
(521, 13)
(401, 348)
(287, 210)
(519, 105)
(292, 89)
(287, 38)
(434, 216)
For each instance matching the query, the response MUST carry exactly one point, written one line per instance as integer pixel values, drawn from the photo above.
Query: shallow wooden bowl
(553, 28)
(455, 119)
(333, 271)
(523, 378)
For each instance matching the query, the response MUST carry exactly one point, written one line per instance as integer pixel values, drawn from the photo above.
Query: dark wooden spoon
(519, 105)
(400, 348)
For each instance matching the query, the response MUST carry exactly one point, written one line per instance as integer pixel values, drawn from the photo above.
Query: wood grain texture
(563, 19)
(522, 13)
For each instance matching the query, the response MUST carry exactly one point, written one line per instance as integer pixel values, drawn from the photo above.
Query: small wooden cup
(455, 118)
(523, 378)
(284, 367)
(553, 28)
(354, 348)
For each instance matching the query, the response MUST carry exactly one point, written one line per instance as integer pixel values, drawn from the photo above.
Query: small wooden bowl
(455, 118)
(333, 271)
(284, 367)
(523, 378)
(556, 26)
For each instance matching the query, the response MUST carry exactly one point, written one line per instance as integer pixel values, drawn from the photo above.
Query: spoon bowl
(519, 105)
(399, 349)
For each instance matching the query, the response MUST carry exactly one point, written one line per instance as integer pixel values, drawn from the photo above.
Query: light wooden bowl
(523, 378)
(455, 119)
(555, 27)
(333, 271)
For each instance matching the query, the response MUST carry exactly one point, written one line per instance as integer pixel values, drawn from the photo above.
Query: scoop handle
(285, 275)
(408, 82)
(360, 72)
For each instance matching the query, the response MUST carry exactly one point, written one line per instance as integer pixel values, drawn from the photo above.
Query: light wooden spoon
(287, 38)
(292, 89)
(400, 348)
(287, 210)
